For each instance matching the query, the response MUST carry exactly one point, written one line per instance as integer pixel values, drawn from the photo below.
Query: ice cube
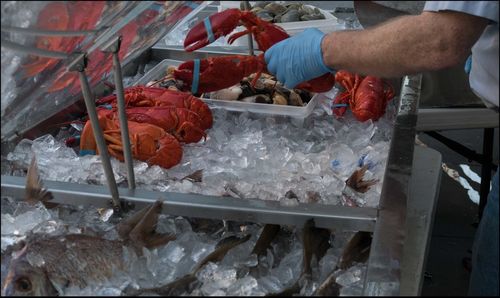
(201, 250)
(173, 251)
(350, 276)
(242, 287)
(271, 284)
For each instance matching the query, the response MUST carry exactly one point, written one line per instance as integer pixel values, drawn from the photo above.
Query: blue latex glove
(297, 59)
(468, 65)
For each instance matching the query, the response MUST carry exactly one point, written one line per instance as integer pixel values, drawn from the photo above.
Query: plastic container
(293, 111)
(329, 24)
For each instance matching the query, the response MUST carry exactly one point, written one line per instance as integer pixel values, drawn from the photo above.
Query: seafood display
(267, 90)
(152, 253)
(367, 96)
(215, 73)
(74, 259)
(148, 142)
(82, 15)
(159, 120)
(49, 248)
(35, 89)
(283, 13)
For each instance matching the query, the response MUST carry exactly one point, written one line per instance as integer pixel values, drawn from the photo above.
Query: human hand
(298, 58)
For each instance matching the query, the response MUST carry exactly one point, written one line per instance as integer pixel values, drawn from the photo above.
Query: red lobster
(367, 96)
(149, 142)
(141, 96)
(222, 72)
(54, 16)
(183, 124)
(78, 15)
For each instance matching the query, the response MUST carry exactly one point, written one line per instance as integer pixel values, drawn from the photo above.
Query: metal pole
(486, 168)
(79, 64)
(33, 50)
(114, 48)
(246, 4)
(43, 32)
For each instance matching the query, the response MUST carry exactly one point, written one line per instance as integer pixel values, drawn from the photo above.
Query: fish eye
(23, 284)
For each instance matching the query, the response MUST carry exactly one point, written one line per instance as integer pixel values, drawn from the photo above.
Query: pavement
(455, 218)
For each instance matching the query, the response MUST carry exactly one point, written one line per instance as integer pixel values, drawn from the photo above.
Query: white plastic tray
(240, 106)
(329, 24)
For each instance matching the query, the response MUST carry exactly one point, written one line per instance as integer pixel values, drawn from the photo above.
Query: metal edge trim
(202, 206)
(383, 272)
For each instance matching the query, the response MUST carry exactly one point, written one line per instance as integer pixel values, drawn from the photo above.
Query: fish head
(23, 279)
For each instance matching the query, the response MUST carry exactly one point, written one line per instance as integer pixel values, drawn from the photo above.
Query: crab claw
(212, 27)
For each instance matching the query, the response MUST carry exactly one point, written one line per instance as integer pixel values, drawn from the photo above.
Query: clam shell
(231, 93)
(294, 99)
(261, 4)
(310, 17)
(261, 98)
(279, 99)
(275, 8)
(290, 16)
(265, 15)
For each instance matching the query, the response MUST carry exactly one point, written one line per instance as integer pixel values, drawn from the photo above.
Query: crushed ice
(163, 265)
(253, 156)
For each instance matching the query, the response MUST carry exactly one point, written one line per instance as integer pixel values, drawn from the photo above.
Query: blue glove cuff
(320, 57)
(468, 65)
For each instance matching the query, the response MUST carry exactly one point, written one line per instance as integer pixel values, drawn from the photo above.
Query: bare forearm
(407, 45)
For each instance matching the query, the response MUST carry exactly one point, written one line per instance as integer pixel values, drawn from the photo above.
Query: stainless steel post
(114, 48)
(79, 64)
(246, 4)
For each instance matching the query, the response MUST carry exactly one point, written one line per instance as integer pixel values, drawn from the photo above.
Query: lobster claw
(212, 27)
(216, 73)
(149, 143)
(340, 104)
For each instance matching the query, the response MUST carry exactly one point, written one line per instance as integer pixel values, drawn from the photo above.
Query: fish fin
(196, 176)
(356, 250)
(158, 240)
(329, 287)
(267, 235)
(357, 183)
(221, 249)
(34, 186)
(125, 227)
(143, 234)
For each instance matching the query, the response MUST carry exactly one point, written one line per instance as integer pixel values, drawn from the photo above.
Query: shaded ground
(453, 230)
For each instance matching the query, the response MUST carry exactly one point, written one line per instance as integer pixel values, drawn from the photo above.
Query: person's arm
(406, 45)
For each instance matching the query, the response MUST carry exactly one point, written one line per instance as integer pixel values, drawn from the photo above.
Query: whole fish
(47, 264)
(44, 265)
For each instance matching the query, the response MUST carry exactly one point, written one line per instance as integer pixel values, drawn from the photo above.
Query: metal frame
(202, 206)
(383, 274)
(387, 222)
